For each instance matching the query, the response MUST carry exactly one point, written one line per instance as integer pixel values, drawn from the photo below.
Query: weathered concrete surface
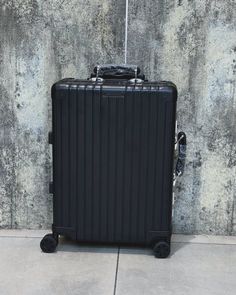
(193, 43)
(197, 265)
(189, 42)
(72, 270)
(191, 269)
(41, 42)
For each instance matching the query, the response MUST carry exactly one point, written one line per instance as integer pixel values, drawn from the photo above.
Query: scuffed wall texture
(41, 42)
(192, 43)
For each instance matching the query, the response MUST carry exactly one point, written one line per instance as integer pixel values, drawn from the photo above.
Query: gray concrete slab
(198, 265)
(25, 270)
(193, 268)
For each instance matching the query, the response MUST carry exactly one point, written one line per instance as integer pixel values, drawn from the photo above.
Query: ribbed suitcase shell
(113, 146)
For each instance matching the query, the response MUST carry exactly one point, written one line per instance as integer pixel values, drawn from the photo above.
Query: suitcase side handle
(113, 71)
(181, 150)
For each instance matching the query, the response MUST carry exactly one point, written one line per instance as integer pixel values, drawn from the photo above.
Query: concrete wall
(192, 43)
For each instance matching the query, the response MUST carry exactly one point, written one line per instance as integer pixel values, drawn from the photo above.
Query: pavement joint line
(179, 239)
(21, 237)
(204, 243)
(117, 268)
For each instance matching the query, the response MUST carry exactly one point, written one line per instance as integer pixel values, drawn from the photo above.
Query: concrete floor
(197, 265)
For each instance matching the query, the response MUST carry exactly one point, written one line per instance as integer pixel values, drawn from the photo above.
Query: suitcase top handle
(112, 71)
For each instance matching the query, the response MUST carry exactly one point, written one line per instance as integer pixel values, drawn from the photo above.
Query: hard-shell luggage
(113, 139)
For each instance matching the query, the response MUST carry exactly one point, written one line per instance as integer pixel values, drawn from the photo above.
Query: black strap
(182, 146)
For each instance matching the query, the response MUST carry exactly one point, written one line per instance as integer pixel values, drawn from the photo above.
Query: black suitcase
(113, 139)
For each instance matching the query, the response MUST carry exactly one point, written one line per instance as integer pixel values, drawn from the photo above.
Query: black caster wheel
(161, 249)
(49, 243)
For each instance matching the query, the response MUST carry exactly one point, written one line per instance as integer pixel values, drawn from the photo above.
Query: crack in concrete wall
(191, 43)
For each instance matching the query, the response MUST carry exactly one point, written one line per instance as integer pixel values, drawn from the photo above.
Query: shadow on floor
(68, 245)
(177, 245)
